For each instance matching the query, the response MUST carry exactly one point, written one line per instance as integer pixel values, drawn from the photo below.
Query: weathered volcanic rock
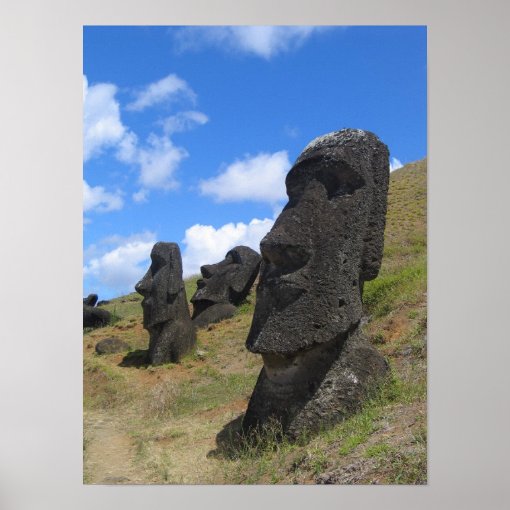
(215, 313)
(111, 345)
(326, 243)
(90, 300)
(165, 309)
(94, 317)
(224, 285)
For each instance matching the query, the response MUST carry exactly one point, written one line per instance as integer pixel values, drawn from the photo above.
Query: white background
(41, 254)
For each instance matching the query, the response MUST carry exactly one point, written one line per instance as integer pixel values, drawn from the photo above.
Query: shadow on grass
(229, 441)
(137, 359)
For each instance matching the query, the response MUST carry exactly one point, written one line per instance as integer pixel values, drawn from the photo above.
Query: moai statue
(328, 240)
(224, 285)
(90, 300)
(94, 317)
(165, 307)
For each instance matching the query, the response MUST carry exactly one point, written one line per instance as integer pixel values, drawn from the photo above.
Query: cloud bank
(259, 178)
(98, 199)
(204, 244)
(118, 262)
(157, 159)
(261, 41)
(102, 126)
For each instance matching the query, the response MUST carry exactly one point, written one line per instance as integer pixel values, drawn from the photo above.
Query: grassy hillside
(177, 423)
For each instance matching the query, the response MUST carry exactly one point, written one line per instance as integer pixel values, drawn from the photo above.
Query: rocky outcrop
(111, 345)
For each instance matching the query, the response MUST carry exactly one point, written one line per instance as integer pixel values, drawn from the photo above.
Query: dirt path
(109, 452)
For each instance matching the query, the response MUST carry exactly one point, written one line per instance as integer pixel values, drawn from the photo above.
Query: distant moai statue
(328, 240)
(94, 317)
(90, 300)
(224, 285)
(165, 307)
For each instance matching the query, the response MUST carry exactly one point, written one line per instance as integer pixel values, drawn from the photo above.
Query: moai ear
(174, 286)
(374, 232)
(174, 274)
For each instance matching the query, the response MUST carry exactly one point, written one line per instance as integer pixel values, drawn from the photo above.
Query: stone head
(161, 284)
(326, 242)
(227, 281)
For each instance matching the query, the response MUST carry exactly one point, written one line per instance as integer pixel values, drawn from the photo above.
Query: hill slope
(177, 423)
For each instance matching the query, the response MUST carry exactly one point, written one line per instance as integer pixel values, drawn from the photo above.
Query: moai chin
(224, 285)
(328, 240)
(165, 307)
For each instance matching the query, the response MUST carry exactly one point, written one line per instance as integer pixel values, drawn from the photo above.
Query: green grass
(391, 289)
(190, 285)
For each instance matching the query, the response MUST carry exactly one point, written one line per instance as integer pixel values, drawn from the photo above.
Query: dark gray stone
(111, 345)
(94, 317)
(90, 300)
(165, 307)
(224, 283)
(103, 302)
(214, 313)
(328, 240)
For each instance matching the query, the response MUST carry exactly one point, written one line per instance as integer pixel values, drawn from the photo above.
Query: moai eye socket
(339, 180)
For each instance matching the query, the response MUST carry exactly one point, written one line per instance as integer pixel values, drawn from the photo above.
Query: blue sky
(190, 131)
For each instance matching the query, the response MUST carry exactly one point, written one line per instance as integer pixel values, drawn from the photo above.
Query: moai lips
(165, 308)
(325, 244)
(224, 285)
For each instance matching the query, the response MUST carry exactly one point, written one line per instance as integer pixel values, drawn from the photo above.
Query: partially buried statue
(328, 240)
(224, 285)
(165, 307)
(94, 317)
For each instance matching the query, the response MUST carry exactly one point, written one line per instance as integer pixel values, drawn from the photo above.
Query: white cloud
(184, 121)
(141, 196)
(263, 41)
(127, 148)
(204, 244)
(98, 199)
(259, 179)
(158, 162)
(166, 89)
(395, 164)
(119, 262)
(157, 159)
(102, 126)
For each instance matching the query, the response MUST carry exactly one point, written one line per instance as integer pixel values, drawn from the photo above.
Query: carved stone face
(161, 284)
(228, 281)
(326, 242)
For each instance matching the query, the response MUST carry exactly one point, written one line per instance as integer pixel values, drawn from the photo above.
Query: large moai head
(224, 285)
(164, 304)
(325, 244)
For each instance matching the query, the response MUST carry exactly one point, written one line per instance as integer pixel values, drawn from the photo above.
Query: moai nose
(144, 285)
(284, 252)
(208, 270)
